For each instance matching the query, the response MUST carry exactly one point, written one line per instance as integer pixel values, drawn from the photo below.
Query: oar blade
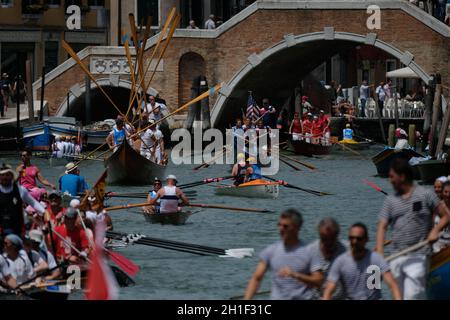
(124, 263)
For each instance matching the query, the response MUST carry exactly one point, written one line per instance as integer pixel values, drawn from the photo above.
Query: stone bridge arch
(232, 87)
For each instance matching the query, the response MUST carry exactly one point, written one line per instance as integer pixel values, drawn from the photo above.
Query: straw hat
(5, 169)
(70, 167)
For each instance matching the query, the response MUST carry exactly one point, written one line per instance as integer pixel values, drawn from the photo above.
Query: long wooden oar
(218, 156)
(413, 248)
(343, 146)
(309, 166)
(290, 165)
(205, 181)
(290, 186)
(211, 206)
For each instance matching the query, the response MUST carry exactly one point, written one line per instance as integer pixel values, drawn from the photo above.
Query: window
(96, 3)
(6, 3)
(53, 3)
(51, 55)
(69, 3)
(148, 8)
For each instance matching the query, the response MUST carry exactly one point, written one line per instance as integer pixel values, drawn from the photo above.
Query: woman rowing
(157, 185)
(296, 129)
(253, 171)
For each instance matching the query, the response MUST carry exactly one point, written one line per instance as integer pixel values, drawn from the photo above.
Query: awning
(402, 74)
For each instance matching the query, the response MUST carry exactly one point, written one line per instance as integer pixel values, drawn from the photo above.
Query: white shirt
(210, 24)
(21, 268)
(147, 140)
(91, 216)
(402, 144)
(26, 197)
(4, 268)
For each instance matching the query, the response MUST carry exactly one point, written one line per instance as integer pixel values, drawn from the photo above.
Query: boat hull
(127, 167)
(358, 146)
(176, 219)
(303, 148)
(439, 276)
(263, 191)
(384, 159)
(430, 170)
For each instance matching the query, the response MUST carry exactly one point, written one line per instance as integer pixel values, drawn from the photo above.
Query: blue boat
(439, 277)
(384, 159)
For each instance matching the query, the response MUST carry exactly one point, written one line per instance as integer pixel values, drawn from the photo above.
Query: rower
(157, 185)
(239, 170)
(307, 127)
(41, 259)
(117, 135)
(325, 123)
(6, 279)
(29, 173)
(439, 187)
(253, 171)
(73, 235)
(12, 197)
(169, 196)
(152, 146)
(296, 128)
(444, 238)
(402, 139)
(348, 133)
(19, 263)
(72, 182)
(316, 130)
(55, 210)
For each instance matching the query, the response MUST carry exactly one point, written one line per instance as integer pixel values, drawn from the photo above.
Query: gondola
(304, 148)
(128, 167)
(430, 170)
(176, 219)
(384, 159)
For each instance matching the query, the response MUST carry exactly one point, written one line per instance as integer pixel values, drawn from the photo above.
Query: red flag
(101, 284)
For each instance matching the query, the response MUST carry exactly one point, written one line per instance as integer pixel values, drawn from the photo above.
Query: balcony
(32, 11)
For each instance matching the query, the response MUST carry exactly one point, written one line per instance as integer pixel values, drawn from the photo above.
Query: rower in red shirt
(55, 210)
(307, 127)
(296, 129)
(73, 235)
(324, 120)
(316, 130)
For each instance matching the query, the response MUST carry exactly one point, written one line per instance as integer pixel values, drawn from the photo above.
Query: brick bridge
(267, 48)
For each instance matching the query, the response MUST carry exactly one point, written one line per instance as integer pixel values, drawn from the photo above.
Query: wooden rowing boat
(384, 159)
(357, 145)
(430, 170)
(255, 189)
(128, 167)
(176, 219)
(439, 276)
(308, 149)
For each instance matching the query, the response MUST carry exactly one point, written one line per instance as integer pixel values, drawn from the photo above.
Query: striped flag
(253, 111)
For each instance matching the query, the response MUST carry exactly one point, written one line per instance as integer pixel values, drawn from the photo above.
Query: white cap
(75, 203)
(171, 177)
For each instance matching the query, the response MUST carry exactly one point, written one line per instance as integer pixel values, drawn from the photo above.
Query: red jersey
(307, 126)
(317, 128)
(297, 126)
(56, 217)
(324, 120)
(77, 238)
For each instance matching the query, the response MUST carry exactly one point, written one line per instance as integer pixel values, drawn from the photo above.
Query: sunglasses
(284, 226)
(356, 238)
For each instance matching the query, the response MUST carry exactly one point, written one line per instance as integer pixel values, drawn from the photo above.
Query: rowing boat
(430, 170)
(128, 167)
(356, 145)
(254, 189)
(176, 219)
(439, 276)
(384, 159)
(304, 148)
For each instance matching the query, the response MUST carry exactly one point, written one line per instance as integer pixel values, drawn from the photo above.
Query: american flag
(253, 111)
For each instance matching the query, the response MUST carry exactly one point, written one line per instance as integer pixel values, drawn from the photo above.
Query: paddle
(374, 186)
(211, 206)
(309, 166)
(290, 165)
(207, 164)
(413, 248)
(349, 149)
(124, 263)
(290, 186)
(204, 181)
(180, 246)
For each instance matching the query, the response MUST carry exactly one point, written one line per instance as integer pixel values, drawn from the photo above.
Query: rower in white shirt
(152, 146)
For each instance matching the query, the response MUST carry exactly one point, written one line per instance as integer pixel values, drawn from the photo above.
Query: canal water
(175, 275)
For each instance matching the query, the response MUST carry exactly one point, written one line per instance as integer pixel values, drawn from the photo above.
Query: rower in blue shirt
(348, 133)
(253, 170)
(71, 182)
(157, 185)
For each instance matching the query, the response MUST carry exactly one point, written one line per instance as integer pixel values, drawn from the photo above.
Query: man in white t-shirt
(6, 279)
(152, 146)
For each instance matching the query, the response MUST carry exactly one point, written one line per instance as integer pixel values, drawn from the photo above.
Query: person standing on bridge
(364, 94)
(381, 95)
(210, 24)
(192, 25)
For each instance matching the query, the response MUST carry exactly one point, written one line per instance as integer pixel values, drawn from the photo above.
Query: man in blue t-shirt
(72, 182)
